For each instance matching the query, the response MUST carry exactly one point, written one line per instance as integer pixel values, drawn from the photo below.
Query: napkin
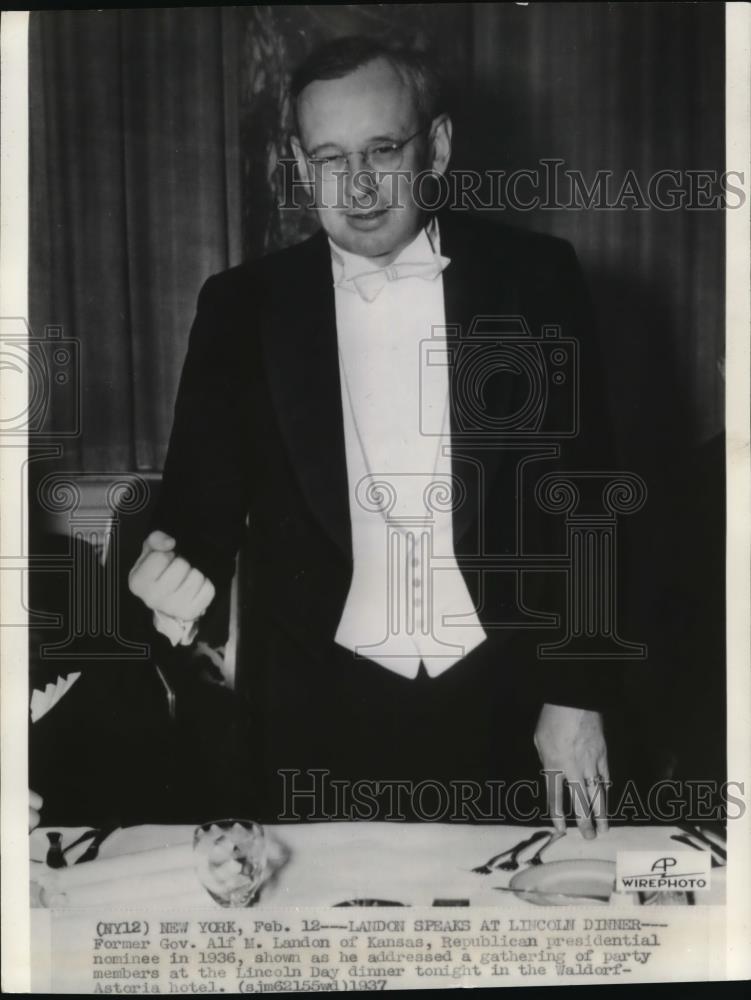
(43, 701)
(150, 887)
(125, 867)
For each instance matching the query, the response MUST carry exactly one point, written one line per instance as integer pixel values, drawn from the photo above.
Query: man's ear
(303, 166)
(441, 131)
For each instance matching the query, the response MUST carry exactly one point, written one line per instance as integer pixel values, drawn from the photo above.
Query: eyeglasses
(380, 156)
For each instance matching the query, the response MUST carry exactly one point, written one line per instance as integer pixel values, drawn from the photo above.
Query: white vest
(408, 600)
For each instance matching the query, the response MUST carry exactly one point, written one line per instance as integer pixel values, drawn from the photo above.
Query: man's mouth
(366, 216)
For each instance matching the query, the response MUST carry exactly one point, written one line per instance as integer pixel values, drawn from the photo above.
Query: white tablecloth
(322, 864)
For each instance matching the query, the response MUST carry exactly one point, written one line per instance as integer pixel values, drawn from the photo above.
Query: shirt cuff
(178, 631)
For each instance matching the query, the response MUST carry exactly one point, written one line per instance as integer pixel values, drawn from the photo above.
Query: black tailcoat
(258, 434)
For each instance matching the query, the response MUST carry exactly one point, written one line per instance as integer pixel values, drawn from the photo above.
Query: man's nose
(360, 183)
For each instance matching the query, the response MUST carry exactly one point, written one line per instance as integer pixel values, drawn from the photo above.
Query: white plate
(576, 878)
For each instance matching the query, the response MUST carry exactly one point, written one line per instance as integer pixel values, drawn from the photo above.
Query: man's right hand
(167, 583)
(35, 804)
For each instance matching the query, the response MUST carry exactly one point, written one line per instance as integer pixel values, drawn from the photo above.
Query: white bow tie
(369, 284)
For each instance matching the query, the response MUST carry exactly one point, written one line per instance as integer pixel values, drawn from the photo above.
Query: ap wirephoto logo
(659, 872)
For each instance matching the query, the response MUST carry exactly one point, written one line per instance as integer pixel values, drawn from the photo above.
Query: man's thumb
(158, 541)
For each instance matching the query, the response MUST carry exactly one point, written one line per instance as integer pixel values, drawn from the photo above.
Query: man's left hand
(571, 746)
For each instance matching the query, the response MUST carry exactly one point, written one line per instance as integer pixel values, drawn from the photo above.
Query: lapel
(473, 285)
(302, 362)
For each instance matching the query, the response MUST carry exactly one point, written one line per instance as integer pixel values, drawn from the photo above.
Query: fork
(690, 830)
(89, 835)
(536, 859)
(512, 864)
(683, 839)
(97, 840)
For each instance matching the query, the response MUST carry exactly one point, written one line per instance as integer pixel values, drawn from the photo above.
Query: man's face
(367, 213)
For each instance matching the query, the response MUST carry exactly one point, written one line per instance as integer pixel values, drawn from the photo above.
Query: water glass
(230, 859)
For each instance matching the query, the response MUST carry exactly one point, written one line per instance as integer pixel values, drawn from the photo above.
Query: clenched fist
(35, 804)
(168, 584)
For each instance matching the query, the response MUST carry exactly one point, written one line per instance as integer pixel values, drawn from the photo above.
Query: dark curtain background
(134, 202)
(624, 87)
(156, 137)
(614, 87)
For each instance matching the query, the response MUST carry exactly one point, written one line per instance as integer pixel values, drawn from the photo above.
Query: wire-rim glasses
(380, 156)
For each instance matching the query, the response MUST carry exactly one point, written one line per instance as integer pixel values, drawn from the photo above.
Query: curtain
(156, 137)
(134, 203)
(622, 87)
(601, 87)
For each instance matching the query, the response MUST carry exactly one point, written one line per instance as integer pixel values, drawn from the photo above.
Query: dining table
(328, 864)
(433, 877)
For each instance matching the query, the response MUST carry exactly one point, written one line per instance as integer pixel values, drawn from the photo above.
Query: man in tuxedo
(324, 404)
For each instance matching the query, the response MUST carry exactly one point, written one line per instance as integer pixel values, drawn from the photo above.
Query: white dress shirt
(408, 601)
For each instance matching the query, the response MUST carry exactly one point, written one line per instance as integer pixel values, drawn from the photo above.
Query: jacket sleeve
(204, 496)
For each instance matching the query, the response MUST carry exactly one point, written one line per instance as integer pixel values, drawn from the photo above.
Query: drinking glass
(230, 858)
